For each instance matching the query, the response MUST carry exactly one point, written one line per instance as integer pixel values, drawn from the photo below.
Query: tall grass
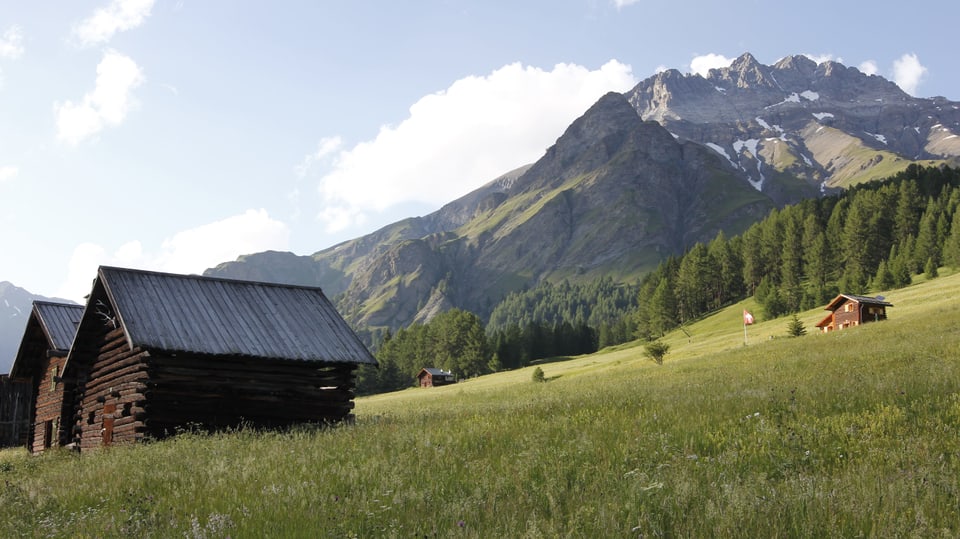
(855, 433)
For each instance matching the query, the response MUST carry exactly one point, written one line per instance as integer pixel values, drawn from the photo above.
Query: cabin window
(53, 377)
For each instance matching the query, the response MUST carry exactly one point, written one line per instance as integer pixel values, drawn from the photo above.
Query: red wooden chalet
(429, 377)
(847, 310)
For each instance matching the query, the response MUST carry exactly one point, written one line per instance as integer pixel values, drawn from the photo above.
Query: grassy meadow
(850, 434)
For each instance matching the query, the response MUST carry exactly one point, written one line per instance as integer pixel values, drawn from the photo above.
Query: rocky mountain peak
(827, 123)
(799, 63)
(745, 72)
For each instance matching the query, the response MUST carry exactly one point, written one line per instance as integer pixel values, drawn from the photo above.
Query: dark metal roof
(59, 321)
(204, 315)
(437, 372)
(837, 301)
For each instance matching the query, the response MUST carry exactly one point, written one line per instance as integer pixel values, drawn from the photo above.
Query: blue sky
(174, 135)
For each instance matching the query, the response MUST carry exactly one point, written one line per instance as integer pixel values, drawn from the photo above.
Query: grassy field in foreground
(855, 433)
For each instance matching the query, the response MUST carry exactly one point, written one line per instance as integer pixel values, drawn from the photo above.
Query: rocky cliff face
(829, 124)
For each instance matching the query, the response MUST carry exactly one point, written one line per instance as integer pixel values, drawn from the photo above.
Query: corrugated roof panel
(59, 321)
(188, 313)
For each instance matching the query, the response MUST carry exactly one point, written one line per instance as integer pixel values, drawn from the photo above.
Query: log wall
(48, 427)
(15, 405)
(216, 393)
(124, 395)
(110, 396)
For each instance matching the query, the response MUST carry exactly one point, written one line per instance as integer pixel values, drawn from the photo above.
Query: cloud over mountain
(458, 138)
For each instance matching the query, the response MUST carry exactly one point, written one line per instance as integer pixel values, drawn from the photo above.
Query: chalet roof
(435, 372)
(205, 315)
(58, 321)
(839, 300)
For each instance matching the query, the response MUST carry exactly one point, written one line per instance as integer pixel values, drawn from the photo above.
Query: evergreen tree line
(454, 341)
(871, 237)
(547, 321)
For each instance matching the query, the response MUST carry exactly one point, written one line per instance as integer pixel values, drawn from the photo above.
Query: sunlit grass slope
(855, 433)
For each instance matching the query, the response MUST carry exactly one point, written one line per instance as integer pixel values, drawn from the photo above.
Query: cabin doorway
(106, 430)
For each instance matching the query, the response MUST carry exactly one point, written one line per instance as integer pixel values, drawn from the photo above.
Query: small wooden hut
(39, 364)
(430, 377)
(847, 310)
(156, 353)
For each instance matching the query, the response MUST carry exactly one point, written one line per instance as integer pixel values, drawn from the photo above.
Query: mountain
(640, 176)
(826, 123)
(15, 305)
(614, 195)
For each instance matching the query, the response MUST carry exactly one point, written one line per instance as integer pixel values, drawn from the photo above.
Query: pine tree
(951, 246)
(795, 328)
(663, 308)
(791, 265)
(930, 269)
(909, 208)
(884, 279)
(698, 272)
(816, 253)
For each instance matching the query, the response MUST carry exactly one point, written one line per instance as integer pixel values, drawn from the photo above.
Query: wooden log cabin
(430, 377)
(39, 364)
(847, 310)
(156, 353)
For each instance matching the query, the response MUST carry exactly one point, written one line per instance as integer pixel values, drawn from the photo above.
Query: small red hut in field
(847, 310)
(430, 377)
(39, 365)
(157, 352)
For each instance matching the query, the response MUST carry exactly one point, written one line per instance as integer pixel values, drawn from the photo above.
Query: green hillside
(853, 433)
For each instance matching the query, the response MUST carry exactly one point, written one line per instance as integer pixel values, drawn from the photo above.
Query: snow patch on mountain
(792, 98)
(879, 137)
(821, 115)
(751, 146)
(720, 150)
(810, 95)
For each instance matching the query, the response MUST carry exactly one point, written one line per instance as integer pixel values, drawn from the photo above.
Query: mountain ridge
(638, 177)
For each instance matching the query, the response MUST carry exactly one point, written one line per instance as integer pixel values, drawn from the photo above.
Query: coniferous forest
(872, 237)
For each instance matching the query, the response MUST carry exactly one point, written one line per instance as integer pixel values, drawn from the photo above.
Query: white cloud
(119, 16)
(821, 58)
(325, 148)
(8, 173)
(108, 103)
(11, 43)
(624, 3)
(869, 67)
(701, 65)
(908, 73)
(458, 139)
(188, 251)
(660, 68)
